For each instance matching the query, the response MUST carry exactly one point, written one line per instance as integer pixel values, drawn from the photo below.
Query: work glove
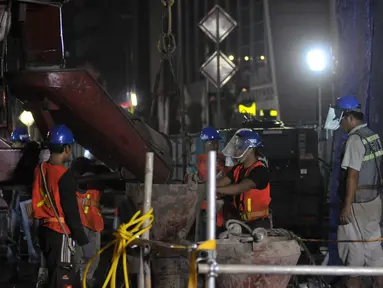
(191, 178)
(88, 251)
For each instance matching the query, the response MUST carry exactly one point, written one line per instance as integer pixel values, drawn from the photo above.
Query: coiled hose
(125, 234)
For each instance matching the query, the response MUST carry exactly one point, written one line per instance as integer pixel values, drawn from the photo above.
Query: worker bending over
(360, 186)
(89, 207)
(55, 204)
(248, 181)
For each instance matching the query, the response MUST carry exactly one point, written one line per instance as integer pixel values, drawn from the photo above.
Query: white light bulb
(317, 60)
(133, 99)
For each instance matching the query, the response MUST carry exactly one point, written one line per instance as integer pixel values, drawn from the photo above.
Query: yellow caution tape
(210, 245)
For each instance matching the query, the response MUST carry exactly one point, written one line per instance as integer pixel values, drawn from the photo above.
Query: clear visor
(334, 116)
(236, 148)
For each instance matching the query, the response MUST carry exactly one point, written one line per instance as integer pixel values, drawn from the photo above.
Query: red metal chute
(74, 98)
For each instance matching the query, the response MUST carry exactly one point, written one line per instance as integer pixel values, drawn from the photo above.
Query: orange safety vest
(89, 207)
(202, 173)
(40, 203)
(253, 204)
(202, 165)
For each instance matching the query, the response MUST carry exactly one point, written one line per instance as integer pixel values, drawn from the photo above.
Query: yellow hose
(125, 234)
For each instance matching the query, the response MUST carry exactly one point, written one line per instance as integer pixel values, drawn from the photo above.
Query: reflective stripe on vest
(88, 204)
(45, 199)
(40, 203)
(366, 141)
(254, 203)
(369, 174)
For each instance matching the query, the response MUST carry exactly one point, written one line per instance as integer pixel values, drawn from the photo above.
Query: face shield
(237, 147)
(334, 117)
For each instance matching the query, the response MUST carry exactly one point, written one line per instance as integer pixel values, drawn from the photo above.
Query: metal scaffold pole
(211, 211)
(145, 279)
(270, 45)
(289, 270)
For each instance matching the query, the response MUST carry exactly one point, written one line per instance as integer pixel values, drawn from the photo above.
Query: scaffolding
(211, 268)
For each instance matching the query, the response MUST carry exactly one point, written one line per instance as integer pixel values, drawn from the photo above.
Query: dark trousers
(59, 260)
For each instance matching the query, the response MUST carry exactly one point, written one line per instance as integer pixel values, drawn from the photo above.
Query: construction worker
(89, 207)
(247, 181)
(360, 186)
(42, 276)
(210, 138)
(20, 137)
(23, 174)
(55, 203)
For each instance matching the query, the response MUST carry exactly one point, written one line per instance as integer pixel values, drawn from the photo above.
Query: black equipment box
(297, 186)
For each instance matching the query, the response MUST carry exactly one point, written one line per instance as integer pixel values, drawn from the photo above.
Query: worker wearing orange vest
(89, 208)
(248, 181)
(210, 138)
(55, 204)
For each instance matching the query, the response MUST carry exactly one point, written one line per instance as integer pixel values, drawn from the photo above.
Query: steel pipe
(211, 208)
(145, 280)
(290, 270)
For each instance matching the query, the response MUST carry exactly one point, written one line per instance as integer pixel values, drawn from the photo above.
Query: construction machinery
(56, 95)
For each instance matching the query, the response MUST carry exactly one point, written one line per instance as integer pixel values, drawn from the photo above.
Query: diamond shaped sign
(226, 71)
(217, 17)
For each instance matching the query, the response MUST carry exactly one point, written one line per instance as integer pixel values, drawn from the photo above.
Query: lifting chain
(166, 45)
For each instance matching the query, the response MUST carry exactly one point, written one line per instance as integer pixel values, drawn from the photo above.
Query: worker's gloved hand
(88, 251)
(191, 178)
(196, 178)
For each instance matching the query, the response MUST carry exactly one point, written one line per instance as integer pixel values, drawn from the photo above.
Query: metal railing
(212, 269)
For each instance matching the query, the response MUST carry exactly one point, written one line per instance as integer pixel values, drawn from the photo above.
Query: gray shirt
(354, 152)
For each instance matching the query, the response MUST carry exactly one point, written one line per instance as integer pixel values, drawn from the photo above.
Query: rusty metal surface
(174, 206)
(114, 136)
(9, 157)
(42, 38)
(273, 251)
(8, 162)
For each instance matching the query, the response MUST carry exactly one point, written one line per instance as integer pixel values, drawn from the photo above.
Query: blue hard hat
(251, 137)
(20, 135)
(348, 103)
(60, 135)
(209, 134)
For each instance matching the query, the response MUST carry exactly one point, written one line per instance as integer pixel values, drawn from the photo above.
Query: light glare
(26, 118)
(133, 99)
(317, 60)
